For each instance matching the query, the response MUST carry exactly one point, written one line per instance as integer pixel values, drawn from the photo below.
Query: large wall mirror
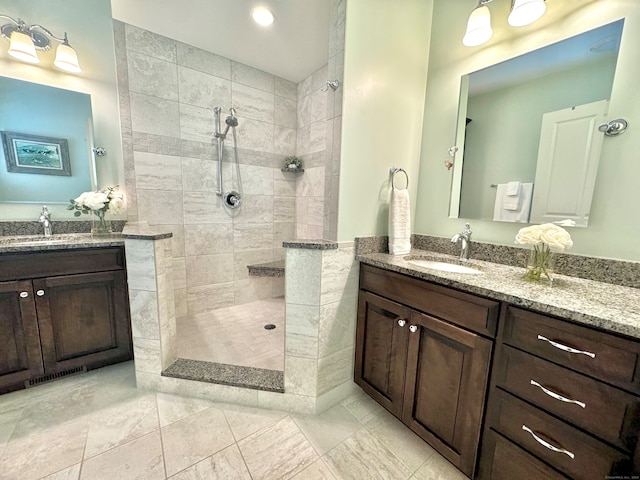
(42, 104)
(47, 135)
(527, 132)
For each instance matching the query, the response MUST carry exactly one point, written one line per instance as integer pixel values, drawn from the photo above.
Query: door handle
(24, 294)
(40, 293)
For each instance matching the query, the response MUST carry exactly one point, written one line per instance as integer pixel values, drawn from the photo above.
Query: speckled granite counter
(601, 305)
(311, 244)
(39, 243)
(224, 374)
(269, 269)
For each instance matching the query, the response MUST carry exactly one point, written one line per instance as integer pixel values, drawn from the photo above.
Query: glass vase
(100, 226)
(541, 265)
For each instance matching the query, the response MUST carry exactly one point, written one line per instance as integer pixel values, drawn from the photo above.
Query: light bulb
(525, 12)
(67, 59)
(22, 48)
(478, 27)
(262, 16)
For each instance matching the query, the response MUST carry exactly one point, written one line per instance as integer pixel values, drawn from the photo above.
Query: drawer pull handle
(402, 322)
(557, 396)
(565, 348)
(413, 329)
(547, 444)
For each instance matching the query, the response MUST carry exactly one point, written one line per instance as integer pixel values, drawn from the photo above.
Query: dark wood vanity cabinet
(565, 398)
(62, 310)
(422, 353)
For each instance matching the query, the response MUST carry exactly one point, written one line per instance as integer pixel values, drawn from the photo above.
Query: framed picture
(26, 153)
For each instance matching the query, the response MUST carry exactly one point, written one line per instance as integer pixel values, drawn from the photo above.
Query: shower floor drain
(269, 326)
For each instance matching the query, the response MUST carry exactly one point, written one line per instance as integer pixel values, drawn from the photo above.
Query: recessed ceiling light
(262, 16)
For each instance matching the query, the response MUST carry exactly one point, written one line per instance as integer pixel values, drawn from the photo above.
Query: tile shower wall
(167, 92)
(319, 126)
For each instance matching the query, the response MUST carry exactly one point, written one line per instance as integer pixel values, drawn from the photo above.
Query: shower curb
(224, 374)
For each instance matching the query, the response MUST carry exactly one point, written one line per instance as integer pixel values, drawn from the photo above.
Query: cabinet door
(20, 356)
(381, 349)
(447, 371)
(83, 320)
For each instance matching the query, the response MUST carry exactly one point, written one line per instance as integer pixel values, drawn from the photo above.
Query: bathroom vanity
(504, 378)
(64, 309)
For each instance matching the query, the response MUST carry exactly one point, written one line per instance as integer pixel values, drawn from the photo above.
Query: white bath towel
(399, 222)
(521, 213)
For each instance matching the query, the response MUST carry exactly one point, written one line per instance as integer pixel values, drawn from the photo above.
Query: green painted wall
(386, 55)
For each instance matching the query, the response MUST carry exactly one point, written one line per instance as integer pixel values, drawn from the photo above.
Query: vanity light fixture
(525, 12)
(479, 25)
(262, 16)
(25, 39)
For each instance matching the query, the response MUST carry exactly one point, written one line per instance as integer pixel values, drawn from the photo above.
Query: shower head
(231, 120)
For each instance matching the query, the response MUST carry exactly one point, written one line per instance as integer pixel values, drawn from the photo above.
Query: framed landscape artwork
(26, 153)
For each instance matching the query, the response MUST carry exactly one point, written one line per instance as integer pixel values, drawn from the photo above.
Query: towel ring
(395, 170)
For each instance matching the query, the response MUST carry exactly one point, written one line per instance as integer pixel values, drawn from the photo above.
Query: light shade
(525, 12)
(262, 16)
(22, 48)
(66, 59)
(478, 27)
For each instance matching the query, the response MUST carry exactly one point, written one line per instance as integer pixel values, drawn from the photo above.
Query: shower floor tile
(236, 335)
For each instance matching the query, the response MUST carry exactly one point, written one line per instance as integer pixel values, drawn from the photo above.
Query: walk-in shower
(231, 198)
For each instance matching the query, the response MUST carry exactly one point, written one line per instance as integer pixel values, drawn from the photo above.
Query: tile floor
(98, 426)
(236, 335)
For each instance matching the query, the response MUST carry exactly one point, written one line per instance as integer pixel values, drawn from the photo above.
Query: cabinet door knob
(40, 293)
(413, 328)
(402, 322)
(24, 294)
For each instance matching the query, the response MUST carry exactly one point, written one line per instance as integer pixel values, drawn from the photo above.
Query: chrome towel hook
(393, 171)
(614, 127)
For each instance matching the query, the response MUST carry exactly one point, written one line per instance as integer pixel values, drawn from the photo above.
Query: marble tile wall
(321, 303)
(319, 123)
(167, 92)
(153, 314)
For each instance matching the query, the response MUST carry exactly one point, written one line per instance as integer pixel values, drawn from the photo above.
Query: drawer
(504, 460)
(67, 262)
(464, 309)
(571, 451)
(605, 411)
(606, 357)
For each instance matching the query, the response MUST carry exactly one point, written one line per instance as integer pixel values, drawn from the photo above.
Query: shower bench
(269, 269)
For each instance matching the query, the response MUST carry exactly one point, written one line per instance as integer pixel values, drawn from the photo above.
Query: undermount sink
(445, 267)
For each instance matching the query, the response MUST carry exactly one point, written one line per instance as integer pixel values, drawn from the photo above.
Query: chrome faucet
(45, 220)
(465, 238)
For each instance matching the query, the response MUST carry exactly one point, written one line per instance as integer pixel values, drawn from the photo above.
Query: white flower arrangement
(554, 236)
(546, 239)
(99, 203)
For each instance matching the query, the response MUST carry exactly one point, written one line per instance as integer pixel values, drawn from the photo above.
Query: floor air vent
(53, 376)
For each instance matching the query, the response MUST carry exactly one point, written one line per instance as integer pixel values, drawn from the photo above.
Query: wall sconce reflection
(25, 39)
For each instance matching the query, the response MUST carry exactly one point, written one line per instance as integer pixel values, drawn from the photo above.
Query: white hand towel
(513, 189)
(521, 215)
(399, 222)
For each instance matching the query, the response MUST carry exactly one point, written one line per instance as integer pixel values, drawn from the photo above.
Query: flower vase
(541, 265)
(100, 227)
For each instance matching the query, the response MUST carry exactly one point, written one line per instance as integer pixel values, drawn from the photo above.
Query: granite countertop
(67, 241)
(602, 305)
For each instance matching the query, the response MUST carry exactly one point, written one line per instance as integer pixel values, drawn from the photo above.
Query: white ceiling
(294, 46)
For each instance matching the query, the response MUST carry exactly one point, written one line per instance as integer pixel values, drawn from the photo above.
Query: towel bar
(393, 171)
